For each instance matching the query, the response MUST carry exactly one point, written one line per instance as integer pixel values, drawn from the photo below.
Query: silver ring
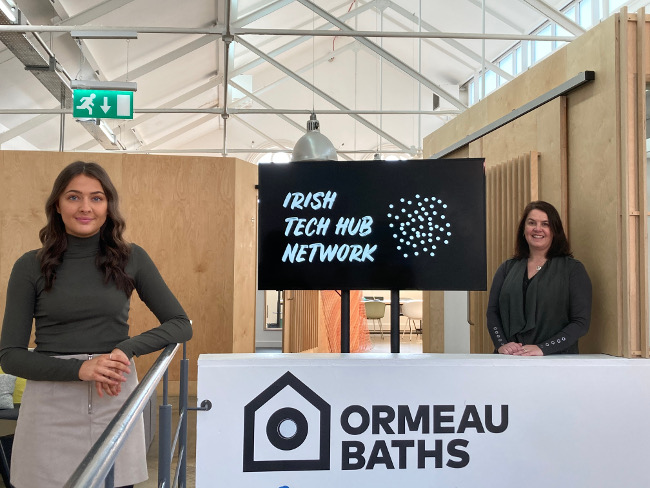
(524, 349)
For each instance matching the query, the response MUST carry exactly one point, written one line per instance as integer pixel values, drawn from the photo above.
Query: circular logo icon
(287, 429)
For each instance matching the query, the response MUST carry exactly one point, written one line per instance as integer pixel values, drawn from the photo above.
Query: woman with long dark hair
(540, 299)
(76, 289)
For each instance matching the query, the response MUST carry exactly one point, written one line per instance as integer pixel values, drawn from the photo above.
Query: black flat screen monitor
(364, 225)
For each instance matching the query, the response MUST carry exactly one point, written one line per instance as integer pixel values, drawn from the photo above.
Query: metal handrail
(97, 464)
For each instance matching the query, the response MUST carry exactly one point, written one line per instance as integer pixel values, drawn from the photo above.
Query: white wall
(456, 325)
(265, 338)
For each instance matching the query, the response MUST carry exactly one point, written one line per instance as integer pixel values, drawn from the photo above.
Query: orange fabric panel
(359, 335)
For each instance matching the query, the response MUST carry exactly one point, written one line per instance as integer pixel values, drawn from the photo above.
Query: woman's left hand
(113, 390)
(529, 350)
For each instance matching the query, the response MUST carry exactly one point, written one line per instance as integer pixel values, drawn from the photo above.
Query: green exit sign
(102, 104)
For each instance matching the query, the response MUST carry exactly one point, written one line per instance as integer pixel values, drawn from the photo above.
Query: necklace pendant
(538, 268)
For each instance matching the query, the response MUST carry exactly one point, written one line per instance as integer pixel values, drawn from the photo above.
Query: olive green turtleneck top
(82, 314)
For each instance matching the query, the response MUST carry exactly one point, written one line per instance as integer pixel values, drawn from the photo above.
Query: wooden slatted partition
(633, 331)
(313, 321)
(509, 187)
(301, 319)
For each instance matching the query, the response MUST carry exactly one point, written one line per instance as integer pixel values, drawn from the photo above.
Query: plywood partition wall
(597, 139)
(509, 187)
(194, 216)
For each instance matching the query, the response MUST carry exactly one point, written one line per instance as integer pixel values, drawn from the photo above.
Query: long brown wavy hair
(559, 245)
(113, 252)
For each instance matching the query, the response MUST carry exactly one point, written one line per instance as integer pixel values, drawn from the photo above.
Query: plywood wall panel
(245, 225)
(594, 213)
(643, 30)
(433, 312)
(579, 160)
(184, 216)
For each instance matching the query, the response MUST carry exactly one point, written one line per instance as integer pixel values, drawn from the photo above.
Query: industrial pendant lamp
(314, 146)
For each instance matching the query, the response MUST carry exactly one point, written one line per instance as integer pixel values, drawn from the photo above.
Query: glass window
(470, 93)
(507, 64)
(478, 88)
(571, 13)
(542, 48)
(585, 14)
(561, 31)
(490, 82)
(519, 65)
(615, 5)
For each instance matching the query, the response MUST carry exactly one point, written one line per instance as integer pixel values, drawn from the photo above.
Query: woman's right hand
(107, 371)
(510, 348)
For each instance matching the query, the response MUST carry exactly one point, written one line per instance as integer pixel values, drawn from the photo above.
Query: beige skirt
(58, 424)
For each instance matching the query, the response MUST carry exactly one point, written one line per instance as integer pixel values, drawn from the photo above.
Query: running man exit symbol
(102, 104)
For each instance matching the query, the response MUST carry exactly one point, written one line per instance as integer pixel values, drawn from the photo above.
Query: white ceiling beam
(260, 133)
(452, 42)
(260, 13)
(320, 93)
(429, 42)
(556, 16)
(307, 67)
(179, 132)
(261, 102)
(213, 83)
(346, 31)
(95, 12)
(267, 106)
(441, 92)
(498, 16)
(25, 126)
(296, 42)
(167, 58)
(87, 146)
(364, 7)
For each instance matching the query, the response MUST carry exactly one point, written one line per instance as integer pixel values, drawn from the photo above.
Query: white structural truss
(242, 76)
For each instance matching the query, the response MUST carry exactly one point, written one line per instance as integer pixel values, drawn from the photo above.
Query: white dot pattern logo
(418, 223)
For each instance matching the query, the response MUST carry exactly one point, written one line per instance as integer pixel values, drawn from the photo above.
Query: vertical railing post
(345, 320)
(182, 410)
(109, 481)
(394, 321)
(164, 439)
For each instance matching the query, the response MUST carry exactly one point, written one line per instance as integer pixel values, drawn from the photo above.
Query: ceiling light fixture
(102, 133)
(314, 146)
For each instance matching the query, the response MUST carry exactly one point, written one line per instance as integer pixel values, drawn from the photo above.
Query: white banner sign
(366, 420)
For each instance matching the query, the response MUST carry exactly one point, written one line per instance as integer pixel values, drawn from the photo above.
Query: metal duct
(45, 70)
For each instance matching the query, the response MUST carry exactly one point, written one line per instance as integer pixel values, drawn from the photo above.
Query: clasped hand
(517, 349)
(107, 371)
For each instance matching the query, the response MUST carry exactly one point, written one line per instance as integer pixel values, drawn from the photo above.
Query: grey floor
(406, 345)
(152, 455)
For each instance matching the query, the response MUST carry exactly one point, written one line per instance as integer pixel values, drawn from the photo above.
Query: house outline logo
(287, 380)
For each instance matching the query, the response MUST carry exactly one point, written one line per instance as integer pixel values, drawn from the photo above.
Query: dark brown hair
(559, 245)
(113, 249)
